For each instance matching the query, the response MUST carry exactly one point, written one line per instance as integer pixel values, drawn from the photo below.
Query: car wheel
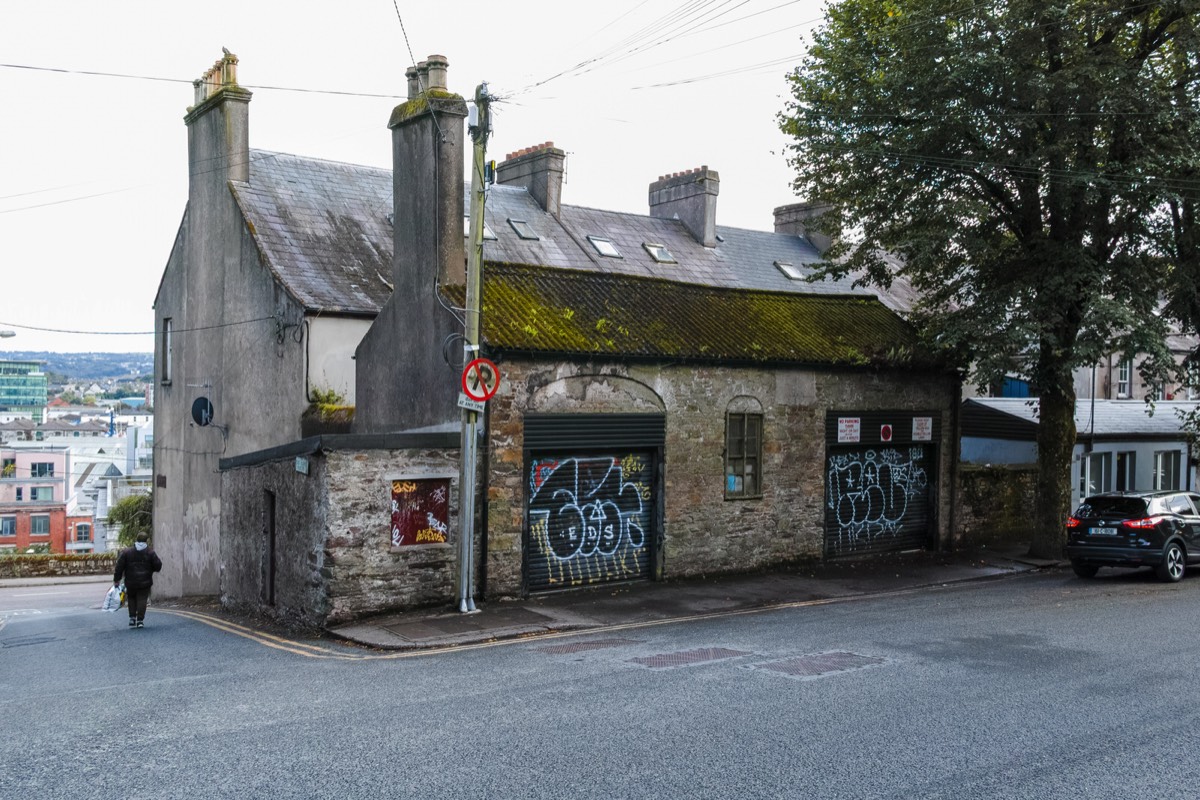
(1084, 570)
(1173, 563)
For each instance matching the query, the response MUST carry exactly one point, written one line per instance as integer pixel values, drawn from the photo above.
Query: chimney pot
(436, 66)
(414, 83)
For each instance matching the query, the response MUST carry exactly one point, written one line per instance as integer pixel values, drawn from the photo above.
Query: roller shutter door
(877, 499)
(880, 480)
(593, 498)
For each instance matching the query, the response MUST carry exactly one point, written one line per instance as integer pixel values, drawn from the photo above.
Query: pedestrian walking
(137, 566)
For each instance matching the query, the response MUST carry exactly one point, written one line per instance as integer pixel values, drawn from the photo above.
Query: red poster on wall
(420, 511)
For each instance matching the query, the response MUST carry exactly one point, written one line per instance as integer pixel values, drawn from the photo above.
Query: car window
(1179, 504)
(1123, 507)
(1195, 501)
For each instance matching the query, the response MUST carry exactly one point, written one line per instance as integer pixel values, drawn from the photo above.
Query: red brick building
(37, 506)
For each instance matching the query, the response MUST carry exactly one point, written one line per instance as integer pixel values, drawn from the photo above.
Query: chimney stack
(691, 198)
(799, 219)
(540, 170)
(404, 344)
(218, 124)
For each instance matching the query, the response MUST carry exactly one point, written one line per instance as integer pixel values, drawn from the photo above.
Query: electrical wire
(256, 87)
(137, 333)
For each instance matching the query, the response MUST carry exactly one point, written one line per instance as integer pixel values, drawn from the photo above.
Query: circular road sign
(480, 379)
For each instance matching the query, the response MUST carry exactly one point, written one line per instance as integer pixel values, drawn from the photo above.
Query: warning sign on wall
(922, 429)
(849, 430)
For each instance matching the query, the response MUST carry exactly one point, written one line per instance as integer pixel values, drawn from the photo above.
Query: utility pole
(479, 125)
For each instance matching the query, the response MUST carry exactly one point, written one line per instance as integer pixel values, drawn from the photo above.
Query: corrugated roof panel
(563, 311)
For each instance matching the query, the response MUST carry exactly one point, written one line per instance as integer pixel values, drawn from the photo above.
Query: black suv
(1135, 529)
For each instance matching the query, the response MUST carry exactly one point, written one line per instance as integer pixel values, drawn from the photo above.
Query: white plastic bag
(112, 600)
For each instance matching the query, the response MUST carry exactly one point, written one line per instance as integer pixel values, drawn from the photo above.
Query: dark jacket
(138, 567)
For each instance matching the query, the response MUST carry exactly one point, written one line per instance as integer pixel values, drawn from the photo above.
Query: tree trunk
(1056, 443)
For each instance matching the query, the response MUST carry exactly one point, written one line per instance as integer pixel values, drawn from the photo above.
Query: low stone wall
(54, 565)
(995, 504)
(309, 540)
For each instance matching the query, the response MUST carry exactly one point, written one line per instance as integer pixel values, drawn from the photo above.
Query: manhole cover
(582, 647)
(818, 664)
(687, 657)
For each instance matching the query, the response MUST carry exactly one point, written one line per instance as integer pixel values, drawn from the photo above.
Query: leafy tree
(1014, 156)
(135, 515)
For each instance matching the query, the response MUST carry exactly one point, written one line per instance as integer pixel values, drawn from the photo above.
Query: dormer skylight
(487, 232)
(524, 229)
(604, 247)
(790, 269)
(659, 253)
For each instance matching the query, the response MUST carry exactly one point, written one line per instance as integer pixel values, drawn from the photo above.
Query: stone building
(675, 398)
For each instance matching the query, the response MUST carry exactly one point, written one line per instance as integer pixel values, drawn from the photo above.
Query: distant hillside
(88, 366)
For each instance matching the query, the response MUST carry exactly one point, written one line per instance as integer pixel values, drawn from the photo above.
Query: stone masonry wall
(366, 575)
(995, 504)
(703, 532)
(333, 553)
(34, 565)
(300, 510)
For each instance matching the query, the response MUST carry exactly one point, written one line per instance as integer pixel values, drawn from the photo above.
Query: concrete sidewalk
(633, 603)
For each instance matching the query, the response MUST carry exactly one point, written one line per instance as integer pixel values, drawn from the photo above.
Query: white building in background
(107, 468)
(1120, 445)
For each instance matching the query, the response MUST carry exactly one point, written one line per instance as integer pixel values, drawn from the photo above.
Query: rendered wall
(229, 346)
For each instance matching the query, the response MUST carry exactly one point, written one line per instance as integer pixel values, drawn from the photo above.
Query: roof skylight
(487, 232)
(604, 247)
(524, 229)
(659, 253)
(790, 269)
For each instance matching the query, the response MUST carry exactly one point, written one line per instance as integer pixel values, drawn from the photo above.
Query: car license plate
(1102, 531)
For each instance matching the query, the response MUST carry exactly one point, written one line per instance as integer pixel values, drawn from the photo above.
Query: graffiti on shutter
(877, 500)
(589, 519)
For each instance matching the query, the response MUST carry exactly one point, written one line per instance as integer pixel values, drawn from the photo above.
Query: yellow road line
(316, 651)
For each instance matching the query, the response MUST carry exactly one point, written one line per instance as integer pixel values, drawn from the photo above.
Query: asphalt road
(1038, 686)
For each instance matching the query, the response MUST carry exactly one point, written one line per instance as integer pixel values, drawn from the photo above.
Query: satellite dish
(202, 411)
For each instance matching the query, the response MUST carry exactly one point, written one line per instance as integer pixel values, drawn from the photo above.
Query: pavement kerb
(383, 640)
(53, 580)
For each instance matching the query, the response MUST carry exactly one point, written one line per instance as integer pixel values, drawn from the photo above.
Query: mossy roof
(570, 312)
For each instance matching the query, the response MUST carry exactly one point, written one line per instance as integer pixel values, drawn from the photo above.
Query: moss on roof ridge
(545, 309)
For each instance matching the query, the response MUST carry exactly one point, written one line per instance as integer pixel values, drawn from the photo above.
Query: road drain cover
(582, 647)
(687, 657)
(818, 664)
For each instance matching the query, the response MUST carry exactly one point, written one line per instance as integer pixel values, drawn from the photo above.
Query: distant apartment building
(37, 502)
(23, 388)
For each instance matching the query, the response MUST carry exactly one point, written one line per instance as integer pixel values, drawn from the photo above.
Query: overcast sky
(95, 167)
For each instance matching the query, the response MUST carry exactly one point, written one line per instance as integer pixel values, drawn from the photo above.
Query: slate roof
(745, 259)
(566, 311)
(1112, 418)
(322, 228)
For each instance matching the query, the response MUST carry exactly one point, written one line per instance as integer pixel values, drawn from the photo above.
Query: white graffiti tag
(868, 494)
(584, 506)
